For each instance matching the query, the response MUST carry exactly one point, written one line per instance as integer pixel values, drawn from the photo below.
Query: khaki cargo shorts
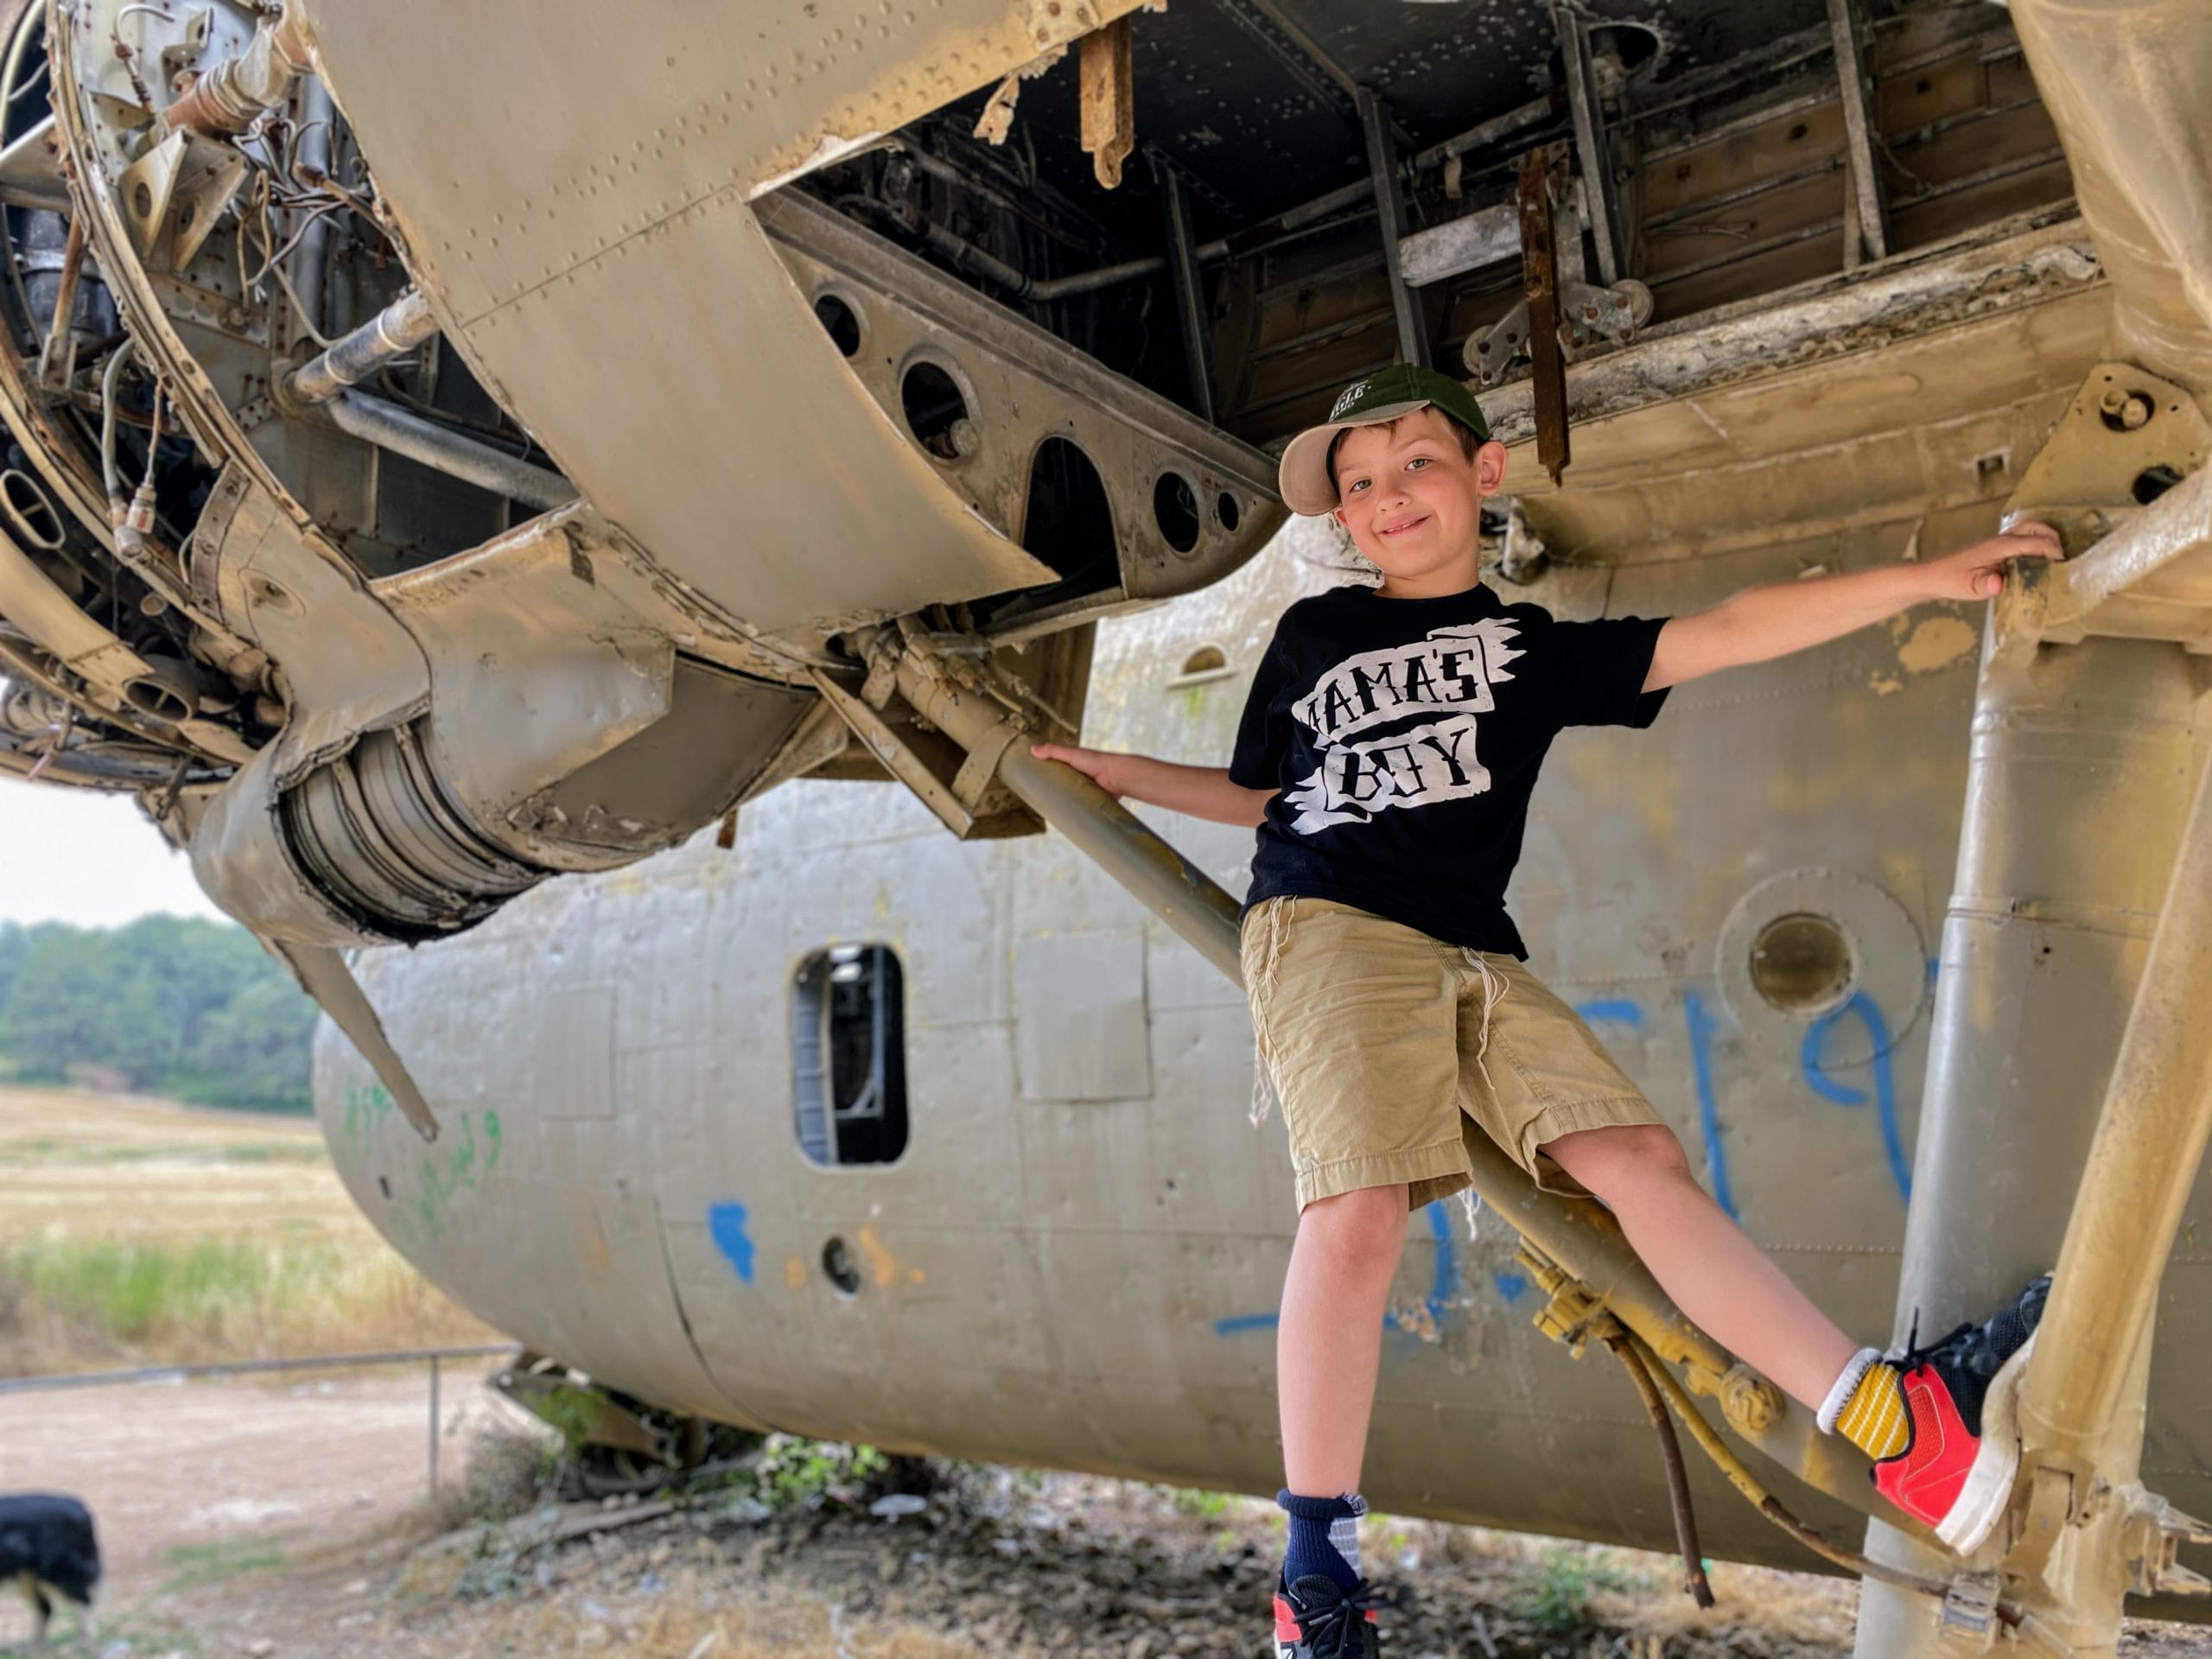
(1391, 1051)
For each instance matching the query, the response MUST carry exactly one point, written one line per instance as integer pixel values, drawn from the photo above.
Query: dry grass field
(142, 1232)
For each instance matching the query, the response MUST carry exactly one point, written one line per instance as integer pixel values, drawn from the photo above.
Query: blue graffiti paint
(1246, 1322)
(726, 1224)
(1703, 1027)
(1620, 1009)
(1510, 1284)
(1443, 1284)
(1812, 1058)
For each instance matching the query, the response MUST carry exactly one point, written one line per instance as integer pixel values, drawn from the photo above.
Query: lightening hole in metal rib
(839, 321)
(937, 411)
(1175, 510)
(29, 510)
(1226, 513)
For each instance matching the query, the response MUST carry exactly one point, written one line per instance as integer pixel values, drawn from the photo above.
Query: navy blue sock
(1324, 1537)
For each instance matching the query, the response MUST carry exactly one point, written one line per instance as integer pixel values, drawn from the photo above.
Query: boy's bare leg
(1716, 1274)
(1329, 1343)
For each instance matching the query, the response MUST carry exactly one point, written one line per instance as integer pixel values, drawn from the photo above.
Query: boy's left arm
(1762, 623)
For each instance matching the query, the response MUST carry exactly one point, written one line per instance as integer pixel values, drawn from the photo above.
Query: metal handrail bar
(248, 1367)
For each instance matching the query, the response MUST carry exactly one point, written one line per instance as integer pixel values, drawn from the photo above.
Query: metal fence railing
(434, 1358)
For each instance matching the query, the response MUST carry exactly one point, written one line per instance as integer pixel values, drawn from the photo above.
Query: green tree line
(189, 1008)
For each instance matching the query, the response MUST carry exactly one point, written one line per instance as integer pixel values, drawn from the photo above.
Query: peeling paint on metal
(1937, 642)
(827, 149)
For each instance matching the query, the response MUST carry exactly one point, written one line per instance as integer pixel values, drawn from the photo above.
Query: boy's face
(1412, 499)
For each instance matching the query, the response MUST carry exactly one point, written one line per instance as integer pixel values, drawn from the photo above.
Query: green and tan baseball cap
(1304, 479)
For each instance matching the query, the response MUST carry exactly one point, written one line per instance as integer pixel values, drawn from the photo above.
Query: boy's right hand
(1102, 768)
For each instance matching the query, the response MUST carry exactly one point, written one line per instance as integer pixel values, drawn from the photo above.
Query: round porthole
(1803, 945)
(937, 411)
(837, 1265)
(839, 321)
(1802, 964)
(1175, 510)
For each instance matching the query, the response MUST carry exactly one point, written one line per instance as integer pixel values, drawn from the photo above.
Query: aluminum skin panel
(589, 247)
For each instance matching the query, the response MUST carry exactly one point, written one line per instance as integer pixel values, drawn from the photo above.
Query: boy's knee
(1620, 1161)
(1368, 1222)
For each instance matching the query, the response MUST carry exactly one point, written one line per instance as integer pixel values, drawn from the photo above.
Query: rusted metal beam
(1539, 275)
(1390, 203)
(1107, 99)
(64, 298)
(1848, 25)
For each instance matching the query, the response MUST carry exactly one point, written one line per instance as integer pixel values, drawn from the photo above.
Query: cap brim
(1303, 476)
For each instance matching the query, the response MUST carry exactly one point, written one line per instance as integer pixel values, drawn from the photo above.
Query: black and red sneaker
(1317, 1619)
(1955, 1473)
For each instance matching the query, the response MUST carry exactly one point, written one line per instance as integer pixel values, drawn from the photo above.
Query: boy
(1386, 757)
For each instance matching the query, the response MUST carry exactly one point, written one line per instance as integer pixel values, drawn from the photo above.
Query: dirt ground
(188, 1480)
(270, 1522)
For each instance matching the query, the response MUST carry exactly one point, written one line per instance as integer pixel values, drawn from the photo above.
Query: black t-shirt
(1404, 737)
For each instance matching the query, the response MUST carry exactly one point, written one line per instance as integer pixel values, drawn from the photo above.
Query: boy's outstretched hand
(1977, 572)
(1761, 623)
(1102, 768)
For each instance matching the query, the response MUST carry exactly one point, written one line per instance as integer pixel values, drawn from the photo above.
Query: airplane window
(849, 1056)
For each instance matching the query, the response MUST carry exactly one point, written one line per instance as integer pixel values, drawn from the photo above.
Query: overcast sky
(74, 855)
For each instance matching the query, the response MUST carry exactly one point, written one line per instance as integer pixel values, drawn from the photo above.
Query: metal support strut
(2047, 1000)
(2149, 1147)
(405, 433)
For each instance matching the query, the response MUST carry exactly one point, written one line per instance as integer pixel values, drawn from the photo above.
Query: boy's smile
(1411, 496)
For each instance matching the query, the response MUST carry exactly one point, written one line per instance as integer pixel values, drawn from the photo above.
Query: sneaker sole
(1983, 1500)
